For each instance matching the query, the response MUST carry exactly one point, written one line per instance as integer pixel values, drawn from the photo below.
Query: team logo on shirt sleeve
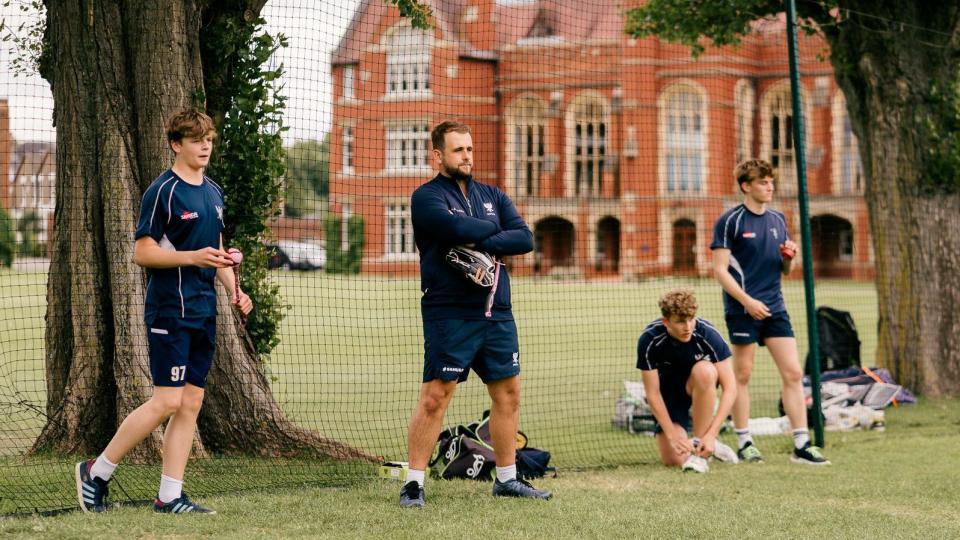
(219, 213)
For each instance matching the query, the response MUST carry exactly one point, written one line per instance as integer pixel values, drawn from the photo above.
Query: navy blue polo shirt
(755, 261)
(442, 218)
(657, 349)
(183, 217)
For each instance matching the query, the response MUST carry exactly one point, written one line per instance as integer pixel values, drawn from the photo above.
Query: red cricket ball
(787, 253)
(235, 255)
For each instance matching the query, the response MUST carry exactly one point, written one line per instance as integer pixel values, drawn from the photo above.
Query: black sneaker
(411, 495)
(809, 455)
(90, 491)
(750, 453)
(180, 505)
(518, 488)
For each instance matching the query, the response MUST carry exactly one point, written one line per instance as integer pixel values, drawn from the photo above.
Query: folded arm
(429, 211)
(515, 237)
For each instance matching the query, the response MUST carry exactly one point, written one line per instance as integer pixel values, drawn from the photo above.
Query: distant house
(33, 185)
(618, 152)
(7, 146)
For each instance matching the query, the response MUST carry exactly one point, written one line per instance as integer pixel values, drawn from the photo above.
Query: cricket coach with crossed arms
(467, 321)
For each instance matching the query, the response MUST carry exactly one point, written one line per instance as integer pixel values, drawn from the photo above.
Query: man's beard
(454, 172)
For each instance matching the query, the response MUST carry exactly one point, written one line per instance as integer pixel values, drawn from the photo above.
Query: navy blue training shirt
(183, 217)
(755, 262)
(442, 218)
(657, 349)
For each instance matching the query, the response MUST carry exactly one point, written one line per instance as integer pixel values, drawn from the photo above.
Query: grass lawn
(350, 360)
(896, 484)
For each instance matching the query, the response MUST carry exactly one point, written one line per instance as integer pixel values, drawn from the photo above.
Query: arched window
(588, 123)
(408, 60)
(847, 171)
(743, 104)
(526, 146)
(683, 139)
(777, 130)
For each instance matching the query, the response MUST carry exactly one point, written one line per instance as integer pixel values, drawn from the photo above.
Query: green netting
(617, 152)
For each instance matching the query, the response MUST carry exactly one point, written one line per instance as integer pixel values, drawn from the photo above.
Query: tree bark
(118, 70)
(890, 76)
(240, 415)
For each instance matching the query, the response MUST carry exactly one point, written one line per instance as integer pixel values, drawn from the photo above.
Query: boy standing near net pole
(682, 360)
(751, 249)
(179, 241)
(466, 324)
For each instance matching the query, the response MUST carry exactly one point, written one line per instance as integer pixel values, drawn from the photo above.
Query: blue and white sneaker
(411, 495)
(180, 505)
(519, 488)
(90, 491)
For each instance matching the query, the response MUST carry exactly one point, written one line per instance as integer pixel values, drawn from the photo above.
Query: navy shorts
(673, 388)
(452, 347)
(745, 330)
(181, 350)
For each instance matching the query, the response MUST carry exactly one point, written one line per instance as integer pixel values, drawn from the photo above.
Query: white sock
(170, 488)
(801, 436)
(505, 474)
(414, 475)
(102, 468)
(743, 437)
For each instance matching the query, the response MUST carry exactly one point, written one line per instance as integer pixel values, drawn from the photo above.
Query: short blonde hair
(678, 302)
(190, 123)
(750, 170)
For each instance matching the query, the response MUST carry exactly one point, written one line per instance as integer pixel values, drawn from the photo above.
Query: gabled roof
(34, 158)
(361, 31)
(570, 20)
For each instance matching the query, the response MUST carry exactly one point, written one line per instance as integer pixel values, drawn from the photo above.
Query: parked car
(277, 258)
(291, 255)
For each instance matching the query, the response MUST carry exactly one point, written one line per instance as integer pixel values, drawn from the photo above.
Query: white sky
(313, 29)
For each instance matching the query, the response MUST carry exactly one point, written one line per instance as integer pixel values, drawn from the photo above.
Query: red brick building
(6, 153)
(618, 152)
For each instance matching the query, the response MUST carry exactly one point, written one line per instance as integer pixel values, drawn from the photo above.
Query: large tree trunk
(890, 83)
(118, 70)
(240, 415)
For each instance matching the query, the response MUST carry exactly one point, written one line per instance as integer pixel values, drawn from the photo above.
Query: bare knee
(704, 375)
(742, 374)
(791, 376)
(191, 403)
(434, 399)
(507, 398)
(166, 403)
(669, 456)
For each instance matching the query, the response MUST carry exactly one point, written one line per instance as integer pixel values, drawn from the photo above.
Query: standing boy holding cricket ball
(179, 242)
(751, 249)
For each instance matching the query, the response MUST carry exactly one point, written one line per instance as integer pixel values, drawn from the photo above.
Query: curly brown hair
(750, 170)
(680, 303)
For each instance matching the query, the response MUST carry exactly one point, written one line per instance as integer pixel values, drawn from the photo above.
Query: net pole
(805, 233)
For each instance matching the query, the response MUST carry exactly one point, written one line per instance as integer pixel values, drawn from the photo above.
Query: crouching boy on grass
(682, 360)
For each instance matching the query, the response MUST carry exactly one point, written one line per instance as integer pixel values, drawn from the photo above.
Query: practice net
(617, 152)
